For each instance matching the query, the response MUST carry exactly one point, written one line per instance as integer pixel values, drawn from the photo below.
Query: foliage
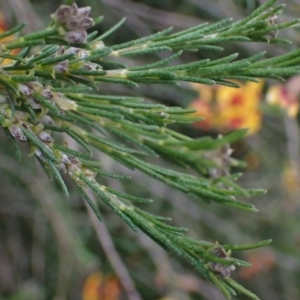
(50, 91)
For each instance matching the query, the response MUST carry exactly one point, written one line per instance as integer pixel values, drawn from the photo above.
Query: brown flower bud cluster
(29, 93)
(222, 159)
(73, 22)
(17, 122)
(218, 268)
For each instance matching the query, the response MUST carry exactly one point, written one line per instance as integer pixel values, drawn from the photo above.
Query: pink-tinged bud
(76, 37)
(86, 23)
(62, 66)
(63, 13)
(45, 137)
(83, 12)
(17, 133)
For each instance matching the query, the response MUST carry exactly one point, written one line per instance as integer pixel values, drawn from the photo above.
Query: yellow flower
(225, 108)
(246, 97)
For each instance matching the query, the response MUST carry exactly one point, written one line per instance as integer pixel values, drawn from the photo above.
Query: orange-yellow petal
(247, 96)
(238, 118)
(99, 287)
(205, 91)
(203, 110)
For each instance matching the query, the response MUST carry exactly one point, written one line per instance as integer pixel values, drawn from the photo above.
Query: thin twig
(111, 253)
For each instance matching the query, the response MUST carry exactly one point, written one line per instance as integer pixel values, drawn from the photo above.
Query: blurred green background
(48, 245)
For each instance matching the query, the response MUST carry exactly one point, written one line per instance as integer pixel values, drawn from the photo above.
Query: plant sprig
(51, 87)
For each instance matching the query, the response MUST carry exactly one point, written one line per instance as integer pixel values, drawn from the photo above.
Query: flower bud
(17, 133)
(98, 45)
(63, 13)
(33, 103)
(75, 37)
(73, 23)
(73, 9)
(46, 93)
(45, 137)
(35, 86)
(65, 159)
(83, 12)
(62, 66)
(90, 66)
(62, 168)
(86, 23)
(72, 50)
(46, 120)
(25, 89)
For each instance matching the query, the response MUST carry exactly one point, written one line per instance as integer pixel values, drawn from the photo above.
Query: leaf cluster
(50, 88)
